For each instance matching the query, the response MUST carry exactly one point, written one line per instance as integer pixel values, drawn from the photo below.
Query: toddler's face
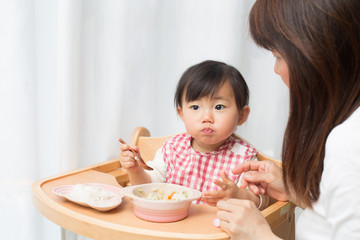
(210, 121)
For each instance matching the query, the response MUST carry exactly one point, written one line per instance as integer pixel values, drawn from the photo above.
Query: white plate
(65, 191)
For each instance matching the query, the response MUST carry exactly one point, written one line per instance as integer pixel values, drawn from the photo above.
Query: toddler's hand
(228, 189)
(127, 158)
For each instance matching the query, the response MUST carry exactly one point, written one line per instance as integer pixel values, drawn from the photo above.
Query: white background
(77, 75)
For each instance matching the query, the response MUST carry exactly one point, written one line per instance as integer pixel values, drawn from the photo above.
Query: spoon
(138, 157)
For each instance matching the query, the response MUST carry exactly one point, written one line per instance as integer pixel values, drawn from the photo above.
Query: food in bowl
(161, 195)
(161, 202)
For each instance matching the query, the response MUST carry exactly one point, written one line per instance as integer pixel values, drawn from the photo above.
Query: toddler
(212, 100)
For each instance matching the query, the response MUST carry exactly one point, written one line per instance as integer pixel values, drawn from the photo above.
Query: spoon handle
(138, 157)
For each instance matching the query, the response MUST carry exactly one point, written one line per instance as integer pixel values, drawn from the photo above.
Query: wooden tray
(121, 223)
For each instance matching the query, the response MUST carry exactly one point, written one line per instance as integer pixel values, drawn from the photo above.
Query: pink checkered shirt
(197, 170)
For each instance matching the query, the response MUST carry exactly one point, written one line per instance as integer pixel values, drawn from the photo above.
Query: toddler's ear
(244, 114)
(179, 111)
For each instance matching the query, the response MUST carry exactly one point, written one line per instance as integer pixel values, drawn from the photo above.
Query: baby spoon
(137, 157)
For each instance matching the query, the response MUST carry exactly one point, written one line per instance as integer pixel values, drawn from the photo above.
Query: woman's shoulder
(345, 138)
(348, 131)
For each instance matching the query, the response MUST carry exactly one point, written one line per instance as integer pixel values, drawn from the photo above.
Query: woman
(317, 48)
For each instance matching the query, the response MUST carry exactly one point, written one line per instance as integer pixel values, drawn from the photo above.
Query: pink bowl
(160, 210)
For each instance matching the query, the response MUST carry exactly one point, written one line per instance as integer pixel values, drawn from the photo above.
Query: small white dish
(66, 191)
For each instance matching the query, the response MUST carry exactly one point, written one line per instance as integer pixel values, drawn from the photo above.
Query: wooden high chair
(280, 215)
(121, 222)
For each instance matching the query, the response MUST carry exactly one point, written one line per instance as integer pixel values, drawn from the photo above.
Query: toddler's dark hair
(205, 78)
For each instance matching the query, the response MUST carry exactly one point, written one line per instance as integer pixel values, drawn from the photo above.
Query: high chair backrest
(149, 145)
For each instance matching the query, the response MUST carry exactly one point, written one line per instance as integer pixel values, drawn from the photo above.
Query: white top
(336, 214)
(158, 175)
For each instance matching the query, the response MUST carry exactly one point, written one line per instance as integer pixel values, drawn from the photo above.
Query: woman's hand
(263, 177)
(228, 189)
(242, 220)
(127, 158)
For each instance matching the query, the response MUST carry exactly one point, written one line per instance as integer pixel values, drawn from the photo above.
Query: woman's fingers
(254, 176)
(242, 220)
(247, 166)
(254, 188)
(228, 205)
(210, 201)
(254, 172)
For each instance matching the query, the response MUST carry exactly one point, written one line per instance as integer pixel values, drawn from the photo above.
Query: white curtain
(77, 75)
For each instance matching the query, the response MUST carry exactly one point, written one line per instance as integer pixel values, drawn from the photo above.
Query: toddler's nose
(207, 117)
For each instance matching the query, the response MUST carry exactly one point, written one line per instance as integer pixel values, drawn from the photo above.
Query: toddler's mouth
(207, 131)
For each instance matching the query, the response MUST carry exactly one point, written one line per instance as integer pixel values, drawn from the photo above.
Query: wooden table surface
(118, 223)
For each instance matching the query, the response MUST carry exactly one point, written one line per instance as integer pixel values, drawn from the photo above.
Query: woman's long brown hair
(320, 42)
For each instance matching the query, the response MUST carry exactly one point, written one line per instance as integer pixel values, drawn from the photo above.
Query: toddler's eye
(195, 107)
(219, 107)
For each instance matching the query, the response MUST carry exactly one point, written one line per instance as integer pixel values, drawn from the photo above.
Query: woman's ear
(244, 114)
(179, 111)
